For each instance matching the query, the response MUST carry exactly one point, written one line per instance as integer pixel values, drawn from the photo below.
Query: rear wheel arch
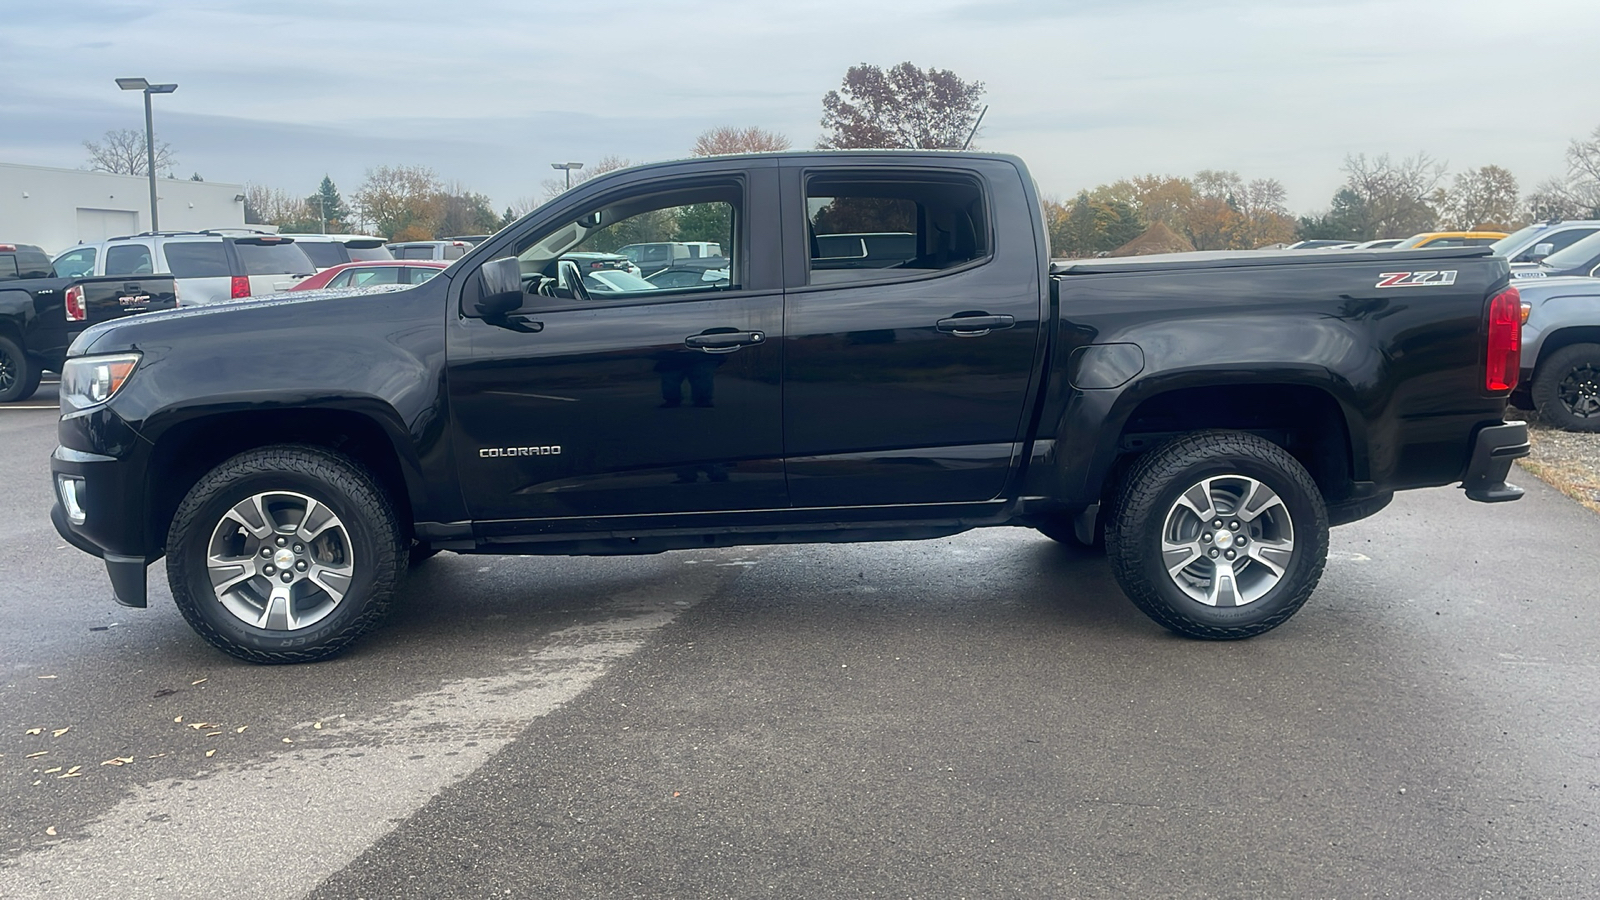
(1562, 338)
(1315, 426)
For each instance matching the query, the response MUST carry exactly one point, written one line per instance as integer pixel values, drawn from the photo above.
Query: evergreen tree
(329, 206)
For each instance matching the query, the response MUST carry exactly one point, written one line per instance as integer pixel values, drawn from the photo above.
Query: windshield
(1515, 239)
(273, 259)
(1576, 255)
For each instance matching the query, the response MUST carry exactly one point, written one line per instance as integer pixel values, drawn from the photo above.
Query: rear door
(906, 376)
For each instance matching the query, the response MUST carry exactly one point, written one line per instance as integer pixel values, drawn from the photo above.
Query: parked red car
(362, 274)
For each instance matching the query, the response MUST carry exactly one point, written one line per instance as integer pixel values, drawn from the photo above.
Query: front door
(607, 395)
(912, 332)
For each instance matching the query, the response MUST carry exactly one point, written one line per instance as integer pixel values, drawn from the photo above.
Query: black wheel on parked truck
(19, 377)
(1218, 535)
(1567, 389)
(285, 554)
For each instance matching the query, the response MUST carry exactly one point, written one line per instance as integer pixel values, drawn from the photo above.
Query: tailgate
(112, 298)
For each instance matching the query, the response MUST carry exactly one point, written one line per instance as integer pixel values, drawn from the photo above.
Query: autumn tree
(461, 211)
(1484, 198)
(122, 151)
(904, 107)
(1090, 226)
(726, 139)
(272, 206)
(400, 202)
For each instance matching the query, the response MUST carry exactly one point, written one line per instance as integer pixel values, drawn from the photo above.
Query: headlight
(92, 380)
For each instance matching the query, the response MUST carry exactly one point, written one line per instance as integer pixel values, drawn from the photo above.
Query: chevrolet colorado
(1204, 417)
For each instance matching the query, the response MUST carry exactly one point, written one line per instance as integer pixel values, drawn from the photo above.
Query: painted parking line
(30, 406)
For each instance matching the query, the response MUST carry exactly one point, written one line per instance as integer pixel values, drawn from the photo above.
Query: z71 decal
(1417, 279)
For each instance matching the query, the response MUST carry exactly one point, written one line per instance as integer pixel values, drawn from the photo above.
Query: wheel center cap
(1224, 539)
(283, 559)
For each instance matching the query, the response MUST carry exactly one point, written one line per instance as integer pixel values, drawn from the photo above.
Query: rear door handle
(724, 341)
(975, 325)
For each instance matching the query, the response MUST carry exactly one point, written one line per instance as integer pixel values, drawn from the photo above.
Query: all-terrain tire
(363, 510)
(1567, 389)
(19, 376)
(1150, 498)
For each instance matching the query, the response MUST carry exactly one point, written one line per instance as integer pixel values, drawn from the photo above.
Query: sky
(489, 93)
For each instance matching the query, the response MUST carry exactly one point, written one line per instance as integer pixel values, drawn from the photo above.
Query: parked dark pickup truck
(40, 313)
(1206, 417)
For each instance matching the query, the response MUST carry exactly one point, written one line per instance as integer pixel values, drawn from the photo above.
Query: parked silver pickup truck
(1561, 351)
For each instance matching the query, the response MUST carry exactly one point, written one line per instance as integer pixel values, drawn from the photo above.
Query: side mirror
(591, 221)
(1540, 251)
(500, 287)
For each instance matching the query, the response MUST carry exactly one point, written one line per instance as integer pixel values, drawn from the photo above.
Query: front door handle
(724, 341)
(974, 324)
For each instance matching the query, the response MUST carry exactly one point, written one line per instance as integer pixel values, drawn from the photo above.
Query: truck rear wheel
(285, 554)
(1567, 389)
(1218, 535)
(19, 377)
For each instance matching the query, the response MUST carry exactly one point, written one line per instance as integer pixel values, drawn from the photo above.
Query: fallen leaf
(157, 756)
(212, 733)
(51, 831)
(240, 729)
(52, 771)
(317, 726)
(201, 681)
(73, 769)
(48, 677)
(210, 753)
(34, 731)
(287, 741)
(60, 731)
(71, 775)
(165, 692)
(178, 719)
(40, 753)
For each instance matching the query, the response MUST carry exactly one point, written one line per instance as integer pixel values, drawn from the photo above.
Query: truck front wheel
(1218, 535)
(285, 554)
(1567, 389)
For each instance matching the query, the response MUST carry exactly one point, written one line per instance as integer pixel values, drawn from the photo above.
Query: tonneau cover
(1226, 259)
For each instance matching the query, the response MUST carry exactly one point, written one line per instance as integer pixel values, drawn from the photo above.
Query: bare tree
(726, 139)
(271, 206)
(554, 187)
(1394, 196)
(904, 107)
(122, 152)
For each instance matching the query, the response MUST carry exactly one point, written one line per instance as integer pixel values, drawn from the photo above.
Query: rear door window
(419, 274)
(323, 254)
(273, 259)
(196, 259)
(129, 259)
(415, 253)
(859, 224)
(76, 264)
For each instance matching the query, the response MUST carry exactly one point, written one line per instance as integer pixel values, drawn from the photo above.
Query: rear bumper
(1493, 449)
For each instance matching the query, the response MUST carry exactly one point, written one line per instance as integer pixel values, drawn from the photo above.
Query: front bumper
(111, 501)
(1493, 449)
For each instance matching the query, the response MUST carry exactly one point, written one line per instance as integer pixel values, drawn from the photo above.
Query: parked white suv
(430, 249)
(208, 266)
(1534, 242)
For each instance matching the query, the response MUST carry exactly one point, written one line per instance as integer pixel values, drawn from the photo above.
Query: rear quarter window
(129, 259)
(273, 259)
(196, 259)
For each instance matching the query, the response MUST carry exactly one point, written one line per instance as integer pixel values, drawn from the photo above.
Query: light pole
(569, 166)
(140, 84)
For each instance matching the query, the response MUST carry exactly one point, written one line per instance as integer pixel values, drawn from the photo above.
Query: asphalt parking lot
(982, 716)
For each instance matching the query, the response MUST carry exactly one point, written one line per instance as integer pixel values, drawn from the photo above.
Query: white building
(56, 208)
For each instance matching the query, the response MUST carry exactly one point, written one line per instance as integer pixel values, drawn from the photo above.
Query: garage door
(100, 224)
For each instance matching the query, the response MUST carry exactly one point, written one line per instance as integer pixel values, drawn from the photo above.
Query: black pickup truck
(1203, 418)
(41, 312)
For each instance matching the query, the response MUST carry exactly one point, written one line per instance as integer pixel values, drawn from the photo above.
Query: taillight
(1504, 356)
(76, 310)
(241, 287)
